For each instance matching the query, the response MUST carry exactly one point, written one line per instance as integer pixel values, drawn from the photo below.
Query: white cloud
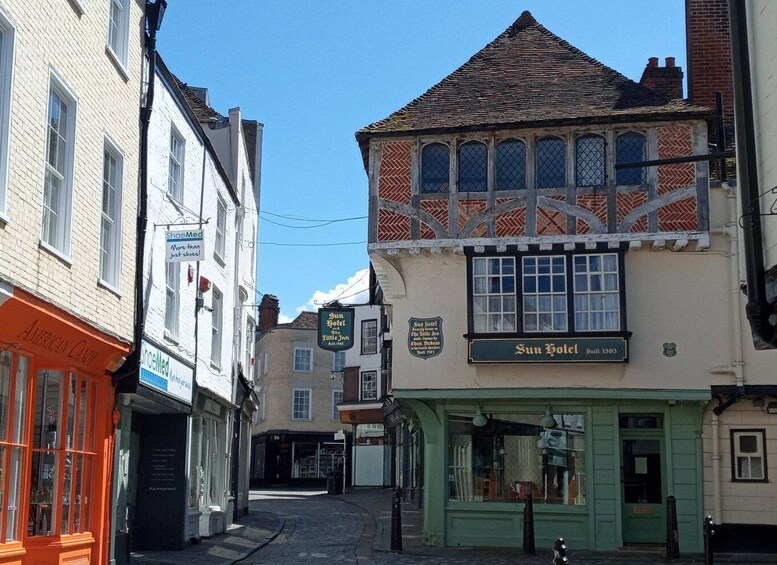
(354, 291)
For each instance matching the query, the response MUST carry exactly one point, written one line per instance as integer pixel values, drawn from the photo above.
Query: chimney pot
(652, 62)
(670, 61)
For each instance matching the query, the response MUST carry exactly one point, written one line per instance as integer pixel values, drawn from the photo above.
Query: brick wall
(709, 55)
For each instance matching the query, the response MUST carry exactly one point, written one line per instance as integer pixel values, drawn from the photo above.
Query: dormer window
(435, 168)
(473, 167)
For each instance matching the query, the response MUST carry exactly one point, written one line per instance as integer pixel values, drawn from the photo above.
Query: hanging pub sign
(185, 245)
(424, 337)
(335, 328)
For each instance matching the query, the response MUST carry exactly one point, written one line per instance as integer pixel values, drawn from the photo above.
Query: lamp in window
(479, 419)
(547, 420)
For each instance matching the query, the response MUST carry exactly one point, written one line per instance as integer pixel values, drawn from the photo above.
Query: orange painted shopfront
(56, 435)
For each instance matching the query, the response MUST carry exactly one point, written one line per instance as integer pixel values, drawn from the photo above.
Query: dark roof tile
(305, 321)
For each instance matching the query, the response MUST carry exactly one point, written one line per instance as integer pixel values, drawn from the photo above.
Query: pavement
(261, 526)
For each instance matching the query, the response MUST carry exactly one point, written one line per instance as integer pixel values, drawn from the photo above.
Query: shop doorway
(643, 480)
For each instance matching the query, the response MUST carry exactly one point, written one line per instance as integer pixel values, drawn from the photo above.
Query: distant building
(299, 387)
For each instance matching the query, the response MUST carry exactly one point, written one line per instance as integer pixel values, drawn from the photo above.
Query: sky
(315, 71)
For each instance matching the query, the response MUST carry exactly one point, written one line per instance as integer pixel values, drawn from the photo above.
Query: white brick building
(70, 78)
(181, 402)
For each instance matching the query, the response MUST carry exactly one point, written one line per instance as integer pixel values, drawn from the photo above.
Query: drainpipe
(758, 308)
(716, 468)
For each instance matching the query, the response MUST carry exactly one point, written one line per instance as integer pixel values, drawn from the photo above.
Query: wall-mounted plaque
(424, 337)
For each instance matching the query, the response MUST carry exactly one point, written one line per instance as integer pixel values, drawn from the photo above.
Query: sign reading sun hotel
(335, 328)
(549, 350)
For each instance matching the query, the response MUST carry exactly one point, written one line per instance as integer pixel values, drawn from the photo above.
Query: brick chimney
(708, 48)
(666, 80)
(268, 312)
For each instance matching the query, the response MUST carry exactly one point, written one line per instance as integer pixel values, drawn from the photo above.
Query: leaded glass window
(473, 167)
(590, 160)
(511, 165)
(435, 168)
(551, 163)
(630, 148)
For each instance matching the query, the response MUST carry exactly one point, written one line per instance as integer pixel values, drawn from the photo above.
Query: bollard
(709, 531)
(396, 520)
(528, 526)
(672, 535)
(560, 552)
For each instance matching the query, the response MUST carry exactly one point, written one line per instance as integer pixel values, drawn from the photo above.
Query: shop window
(303, 360)
(557, 293)
(590, 160)
(435, 168)
(369, 337)
(300, 409)
(551, 163)
(630, 148)
(62, 454)
(748, 455)
(369, 385)
(206, 480)
(511, 165)
(314, 460)
(337, 398)
(13, 409)
(473, 167)
(513, 455)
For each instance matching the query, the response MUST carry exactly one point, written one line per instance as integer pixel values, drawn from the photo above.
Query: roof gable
(527, 76)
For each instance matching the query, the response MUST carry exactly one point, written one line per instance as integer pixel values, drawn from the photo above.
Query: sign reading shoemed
(424, 337)
(187, 245)
(549, 350)
(164, 373)
(335, 328)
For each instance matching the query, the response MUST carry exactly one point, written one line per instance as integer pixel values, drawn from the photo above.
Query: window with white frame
(221, 229)
(58, 176)
(748, 455)
(338, 361)
(118, 29)
(300, 409)
(172, 297)
(110, 224)
(249, 346)
(337, 398)
(369, 385)
(369, 337)
(217, 322)
(303, 359)
(563, 293)
(175, 173)
(7, 35)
